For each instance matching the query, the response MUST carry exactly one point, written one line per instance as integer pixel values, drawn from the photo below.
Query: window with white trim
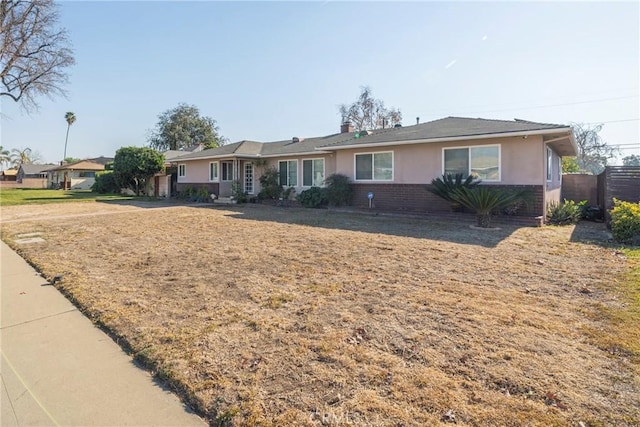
(374, 166)
(549, 164)
(213, 172)
(480, 161)
(288, 172)
(227, 171)
(559, 172)
(182, 170)
(313, 173)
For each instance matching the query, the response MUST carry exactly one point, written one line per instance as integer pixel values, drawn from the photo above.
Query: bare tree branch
(368, 112)
(593, 151)
(34, 52)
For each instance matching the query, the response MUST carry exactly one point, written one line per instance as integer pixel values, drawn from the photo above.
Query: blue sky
(272, 70)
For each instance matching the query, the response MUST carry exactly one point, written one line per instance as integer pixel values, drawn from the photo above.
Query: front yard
(275, 316)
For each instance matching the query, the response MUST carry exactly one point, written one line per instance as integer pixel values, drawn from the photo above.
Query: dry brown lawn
(291, 317)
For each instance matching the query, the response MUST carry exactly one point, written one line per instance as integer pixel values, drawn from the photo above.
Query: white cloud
(451, 64)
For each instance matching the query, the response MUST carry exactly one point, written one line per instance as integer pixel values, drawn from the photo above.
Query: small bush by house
(625, 222)
(565, 213)
(314, 197)
(339, 191)
(106, 183)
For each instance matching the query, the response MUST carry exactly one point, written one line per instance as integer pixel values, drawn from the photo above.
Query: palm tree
(71, 119)
(5, 157)
(21, 156)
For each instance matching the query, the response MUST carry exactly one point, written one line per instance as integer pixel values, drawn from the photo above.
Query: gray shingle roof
(36, 169)
(449, 127)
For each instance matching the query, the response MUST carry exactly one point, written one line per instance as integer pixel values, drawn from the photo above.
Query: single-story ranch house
(395, 164)
(78, 175)
(33, 176)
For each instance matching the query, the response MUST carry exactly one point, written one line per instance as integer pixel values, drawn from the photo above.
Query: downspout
(544, 180)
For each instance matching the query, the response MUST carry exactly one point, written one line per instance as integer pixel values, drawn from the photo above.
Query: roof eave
(448, 139)
(251, 156)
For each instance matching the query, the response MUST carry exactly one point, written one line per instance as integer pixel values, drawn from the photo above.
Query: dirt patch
(275, 316)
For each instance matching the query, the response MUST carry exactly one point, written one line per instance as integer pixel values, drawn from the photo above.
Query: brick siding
(416, 198)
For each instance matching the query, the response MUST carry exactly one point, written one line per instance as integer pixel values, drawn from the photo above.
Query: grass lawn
(24, 196)
(293, 317)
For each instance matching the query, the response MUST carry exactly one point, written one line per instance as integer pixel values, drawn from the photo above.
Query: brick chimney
(346, 127)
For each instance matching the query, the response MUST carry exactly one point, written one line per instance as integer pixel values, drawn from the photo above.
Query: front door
(248, 178)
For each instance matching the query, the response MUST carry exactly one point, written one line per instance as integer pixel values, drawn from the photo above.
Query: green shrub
(105, 182)
(565, 213)
(625, 222)
(195, 194)
(270, 184)
(338, 191)
(485, 200)
(448, 184)
(238, 193)
(314, 197)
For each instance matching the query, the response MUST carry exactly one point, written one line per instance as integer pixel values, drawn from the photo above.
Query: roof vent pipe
(417, 120)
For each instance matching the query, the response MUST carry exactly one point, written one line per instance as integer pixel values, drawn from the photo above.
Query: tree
(134, 166)
(570, 165)
(71, 119)
(632, 160)
(593, 151)
(369, 113)
(71, 159)
(183, 127)
(24, 156)
(5, 157)
(34, 51)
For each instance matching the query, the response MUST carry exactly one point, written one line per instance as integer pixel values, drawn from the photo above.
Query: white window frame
(215, 178)
(373, 178)
(245, 180)
(549, 165)
(182, 170)
(559, 168)
(324, 171)
(469, 147)
(222, 178)
(289, 184)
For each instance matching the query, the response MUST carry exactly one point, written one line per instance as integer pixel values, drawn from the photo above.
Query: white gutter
(250, 156)
(447, 139)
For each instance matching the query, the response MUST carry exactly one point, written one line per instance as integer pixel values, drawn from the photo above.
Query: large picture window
(313, 173)
(213, 171)
(227, 171)
(288, 173)
(182, 170)
(374, 166)
(482, 162)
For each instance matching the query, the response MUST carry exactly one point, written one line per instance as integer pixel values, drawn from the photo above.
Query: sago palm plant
(446, 186)
(484, 200)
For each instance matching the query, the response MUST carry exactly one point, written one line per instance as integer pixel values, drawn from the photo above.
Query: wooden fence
(619, 182)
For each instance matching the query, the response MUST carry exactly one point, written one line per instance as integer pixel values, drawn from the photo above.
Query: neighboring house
(163, 183)
(78, 175)
(395, 164)
(9, 175)
(33, 176)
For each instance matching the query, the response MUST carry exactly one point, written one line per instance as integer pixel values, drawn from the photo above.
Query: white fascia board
(250, 156)
(306, 153)
(449, 139)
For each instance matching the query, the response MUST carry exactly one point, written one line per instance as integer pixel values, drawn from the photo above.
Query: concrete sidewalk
(58, 369)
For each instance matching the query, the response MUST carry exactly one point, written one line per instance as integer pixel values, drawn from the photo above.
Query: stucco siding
(420, 163)
(197, 172)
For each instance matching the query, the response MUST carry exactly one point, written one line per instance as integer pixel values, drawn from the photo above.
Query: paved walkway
(59, 370)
